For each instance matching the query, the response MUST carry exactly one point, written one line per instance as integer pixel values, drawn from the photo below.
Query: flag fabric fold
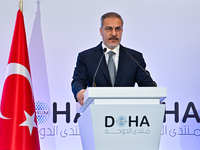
(18, 124)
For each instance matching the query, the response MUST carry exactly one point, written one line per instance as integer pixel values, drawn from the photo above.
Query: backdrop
(166, 32)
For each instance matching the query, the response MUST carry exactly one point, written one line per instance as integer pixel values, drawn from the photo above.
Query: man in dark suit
(127, 66)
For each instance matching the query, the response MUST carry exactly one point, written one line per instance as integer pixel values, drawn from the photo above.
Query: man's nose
(114, 32)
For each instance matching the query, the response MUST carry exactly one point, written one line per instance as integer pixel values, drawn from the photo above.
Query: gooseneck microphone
(94, 84)
(154, 83)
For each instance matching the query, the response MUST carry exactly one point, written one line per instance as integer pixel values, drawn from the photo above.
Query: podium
(116, 118)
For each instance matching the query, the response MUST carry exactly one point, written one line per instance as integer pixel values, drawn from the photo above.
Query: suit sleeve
(80, 75)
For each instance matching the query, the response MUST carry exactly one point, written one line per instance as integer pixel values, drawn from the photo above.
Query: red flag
(18, 125)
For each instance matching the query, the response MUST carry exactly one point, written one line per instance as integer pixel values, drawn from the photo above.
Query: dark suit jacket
(128, 71)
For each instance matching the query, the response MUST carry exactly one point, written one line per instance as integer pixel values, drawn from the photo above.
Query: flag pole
(21, 5)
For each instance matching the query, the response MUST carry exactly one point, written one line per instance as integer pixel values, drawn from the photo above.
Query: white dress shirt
(115, 57)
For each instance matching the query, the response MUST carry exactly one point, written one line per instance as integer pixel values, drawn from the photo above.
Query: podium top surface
(128, 92)
(92, 93)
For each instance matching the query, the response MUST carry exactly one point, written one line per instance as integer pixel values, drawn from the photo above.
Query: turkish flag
(18, 124)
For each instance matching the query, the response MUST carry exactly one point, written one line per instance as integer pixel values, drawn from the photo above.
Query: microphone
(154, 83)
(76, 117)
(94, 84)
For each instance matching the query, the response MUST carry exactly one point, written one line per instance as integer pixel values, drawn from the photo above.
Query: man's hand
(80, 96)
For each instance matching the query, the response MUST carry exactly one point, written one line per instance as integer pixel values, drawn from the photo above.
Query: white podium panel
(118, 122)
(127, 127)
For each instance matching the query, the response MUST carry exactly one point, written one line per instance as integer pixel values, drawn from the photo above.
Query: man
(126, 65)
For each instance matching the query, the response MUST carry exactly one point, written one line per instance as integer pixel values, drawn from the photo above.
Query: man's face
(111, 32)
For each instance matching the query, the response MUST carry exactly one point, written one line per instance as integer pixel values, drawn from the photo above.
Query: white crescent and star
(15, 68)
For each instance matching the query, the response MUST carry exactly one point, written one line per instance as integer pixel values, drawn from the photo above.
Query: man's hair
(110, 15)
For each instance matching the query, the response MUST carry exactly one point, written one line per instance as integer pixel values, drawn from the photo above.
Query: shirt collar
(116, 49)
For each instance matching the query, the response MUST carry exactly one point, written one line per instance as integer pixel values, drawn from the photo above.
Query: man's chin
(112, 46)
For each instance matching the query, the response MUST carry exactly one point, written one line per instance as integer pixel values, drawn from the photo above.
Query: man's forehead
(112, 22)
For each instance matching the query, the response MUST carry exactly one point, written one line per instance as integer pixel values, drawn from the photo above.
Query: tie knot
(111, 53)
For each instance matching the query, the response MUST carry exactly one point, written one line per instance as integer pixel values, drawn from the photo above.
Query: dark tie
(111, 67)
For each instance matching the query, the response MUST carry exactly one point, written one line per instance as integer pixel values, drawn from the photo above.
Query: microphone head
(105, 49)
(155, 84)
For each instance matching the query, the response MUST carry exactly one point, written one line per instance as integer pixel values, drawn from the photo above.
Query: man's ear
(100, 31)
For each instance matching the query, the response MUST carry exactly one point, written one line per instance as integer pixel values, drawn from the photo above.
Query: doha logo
(42, 112)
(121, 121)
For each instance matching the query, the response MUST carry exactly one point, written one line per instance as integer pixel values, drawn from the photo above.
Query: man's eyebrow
(114, 27)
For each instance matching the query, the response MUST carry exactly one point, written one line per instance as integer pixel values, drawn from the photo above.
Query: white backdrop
(166, 32)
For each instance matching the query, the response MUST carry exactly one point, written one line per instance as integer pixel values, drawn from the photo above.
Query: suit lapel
(122, 65)
(103, 66)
